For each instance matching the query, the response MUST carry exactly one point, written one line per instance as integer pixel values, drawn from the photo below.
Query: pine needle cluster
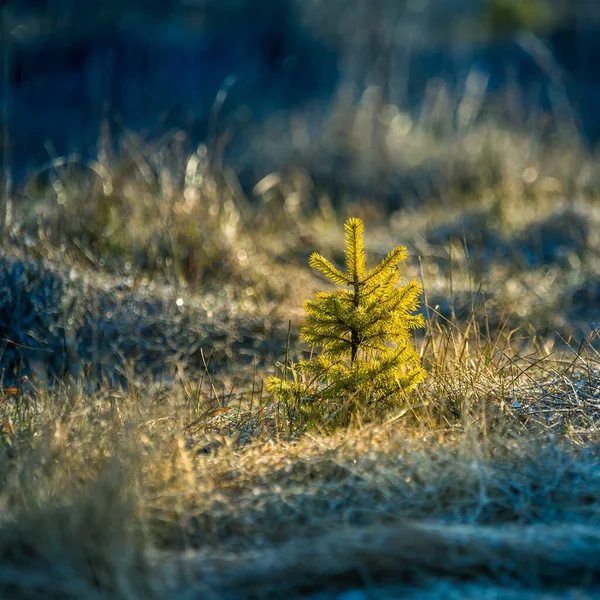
(363, 331)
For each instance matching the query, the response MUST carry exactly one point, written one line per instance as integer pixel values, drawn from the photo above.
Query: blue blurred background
(272, 73)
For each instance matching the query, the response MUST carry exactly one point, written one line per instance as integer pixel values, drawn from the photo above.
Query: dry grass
(157, 466)
(111, 493)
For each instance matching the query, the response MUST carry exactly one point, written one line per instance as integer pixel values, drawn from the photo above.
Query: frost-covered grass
(146, 458)
(487, 477)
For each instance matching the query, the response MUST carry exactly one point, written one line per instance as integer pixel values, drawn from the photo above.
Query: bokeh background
(281, 77)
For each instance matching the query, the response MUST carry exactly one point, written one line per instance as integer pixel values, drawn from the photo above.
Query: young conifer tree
(363, 331)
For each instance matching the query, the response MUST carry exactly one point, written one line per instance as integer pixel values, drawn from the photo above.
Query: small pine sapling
(364, 334)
